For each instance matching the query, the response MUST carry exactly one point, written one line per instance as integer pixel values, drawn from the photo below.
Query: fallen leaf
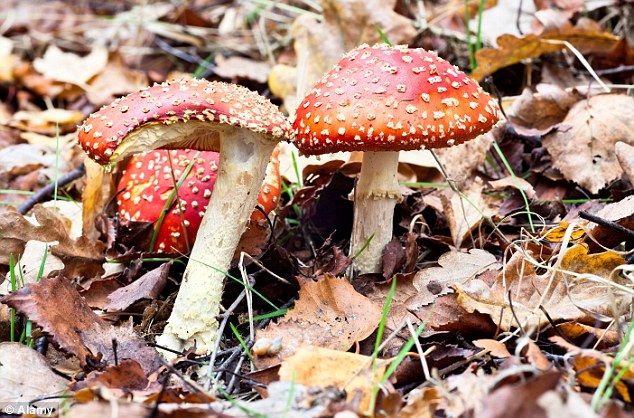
(495, 348)
(557, 233)
(585, 152)
(148, 286)
(588, 335)
(47, 121)
(7, 60)
(625, 156)
(24, 158)
(511, 49)
(58, 308)
(514, 183)
(621, 213)
(31, 266)
(67, 67)
(455, 268)
(240, 67)
(569, 404)
(535, 356)
(421, 403)
(127, 376)
(26, 375)
(80, 257)
(114, 80)
(519, 400)
(555, 292)
(465, 210)
(329, 313)
(590, 368)
(538, 112)
(462, 160)
(447, 315)
(317, 366)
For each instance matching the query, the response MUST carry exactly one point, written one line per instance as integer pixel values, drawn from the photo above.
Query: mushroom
(148, 182)
(244, 128)
(382, 99)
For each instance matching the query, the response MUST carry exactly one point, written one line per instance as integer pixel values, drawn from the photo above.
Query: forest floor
(506, 290)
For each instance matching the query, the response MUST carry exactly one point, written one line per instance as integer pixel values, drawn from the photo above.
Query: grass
(623, 360)
(379, 338)
(243, 344)
(168, 203)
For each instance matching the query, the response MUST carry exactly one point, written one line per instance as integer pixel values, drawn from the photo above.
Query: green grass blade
(243, 344)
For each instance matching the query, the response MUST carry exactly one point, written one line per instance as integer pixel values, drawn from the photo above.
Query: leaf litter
(519, 286)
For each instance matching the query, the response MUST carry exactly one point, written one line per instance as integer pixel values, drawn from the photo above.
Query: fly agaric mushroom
(148, 182)
(244, 128)
(382, 99)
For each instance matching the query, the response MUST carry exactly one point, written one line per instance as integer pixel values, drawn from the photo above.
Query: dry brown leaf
(58, 308)
(446, 315)
(8, 60)
(537, 112)
(465, 211)
(329, 313)
(622, 213)
(455, 268)
(519, 400)
(495, 348)
(317, 366)
(25, 158)
(421, 403)
(514, 183)
(31, 266)
(80, 257)
(535, 356)
(555, 293)
(462, 160)
(47, 121)
(590, 368)
(625, 156)
(240, 67)
(148, 286)
(399, 311)
(557, 233)
(18, 386)
(465, 392)
(320, 45)
(511, 49)
(67, 67)
(114, 80)
(588, 335)
(585, 152)
(122, 379)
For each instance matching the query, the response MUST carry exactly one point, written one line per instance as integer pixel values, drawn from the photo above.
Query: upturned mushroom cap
(104, 134)
(383, 98)
(147, 183)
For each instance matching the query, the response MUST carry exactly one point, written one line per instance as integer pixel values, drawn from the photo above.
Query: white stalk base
(376, 193)
(243, 159)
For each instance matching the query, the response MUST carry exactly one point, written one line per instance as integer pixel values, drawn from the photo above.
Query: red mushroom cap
(384, 98)
(180, 101)
(148, 183)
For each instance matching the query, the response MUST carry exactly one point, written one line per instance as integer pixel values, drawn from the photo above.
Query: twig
(46, 192)
(225, 318)
(606, 223)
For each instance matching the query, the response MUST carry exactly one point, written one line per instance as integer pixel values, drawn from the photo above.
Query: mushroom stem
(243, 159)
(376, 193)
